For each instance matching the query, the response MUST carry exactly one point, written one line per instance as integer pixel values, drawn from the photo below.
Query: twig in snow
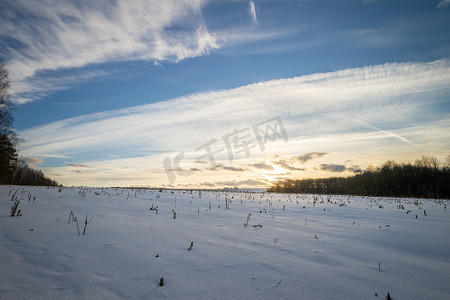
(71, 216)
(14, 195)
(279, 282)
(248, 219)
(86, 222)
(76, 222)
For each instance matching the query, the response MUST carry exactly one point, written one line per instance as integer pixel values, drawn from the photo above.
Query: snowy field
(309, 247)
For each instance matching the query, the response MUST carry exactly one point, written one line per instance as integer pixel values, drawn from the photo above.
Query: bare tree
(428, 161)
(8, 137)
(6, 118)
(12, 169)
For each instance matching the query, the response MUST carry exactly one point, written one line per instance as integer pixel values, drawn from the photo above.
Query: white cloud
(78, 165)
(52, 35)
(361, 112)
(33, 160)
(347, 93)
(45, 37)
(252, 12)
(34, 88)
(443, 3)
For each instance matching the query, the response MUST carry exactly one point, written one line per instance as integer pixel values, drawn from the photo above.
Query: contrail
(386, 132)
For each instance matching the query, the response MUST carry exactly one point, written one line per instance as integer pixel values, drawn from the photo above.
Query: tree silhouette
(8, 138)
(12, 169)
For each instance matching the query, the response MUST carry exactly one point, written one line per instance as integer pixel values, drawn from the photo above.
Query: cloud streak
(64, 34)
(332, 167)
(44, 39)
(263, 166)
(443, 3)
(308, 156)
(33, 160)
(321, 113)
(252, 12)
(373, 90)
(78, 165)
(286, 165)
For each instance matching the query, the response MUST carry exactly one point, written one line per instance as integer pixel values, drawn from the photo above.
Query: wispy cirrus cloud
(44, 39)
(411, 32)
(443, 3)
(78, 165)
(362, 111)
(52, 35)
(33, 160)
(252, 12)
(377, 92)
(38, 87)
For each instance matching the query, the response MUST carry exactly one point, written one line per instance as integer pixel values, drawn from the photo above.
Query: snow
(315, 248)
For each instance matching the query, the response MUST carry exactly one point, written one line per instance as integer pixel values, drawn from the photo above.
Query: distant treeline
(16, 171)
(22, 174)
(426, 178)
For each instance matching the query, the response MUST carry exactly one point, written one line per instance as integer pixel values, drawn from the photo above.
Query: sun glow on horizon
(274, 175)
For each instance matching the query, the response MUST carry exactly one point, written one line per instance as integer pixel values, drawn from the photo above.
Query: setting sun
(274, 175)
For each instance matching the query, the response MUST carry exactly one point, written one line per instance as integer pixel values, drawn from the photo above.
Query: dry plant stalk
(279, 282)
(85, 225)
(248, 219)
(14, 195)
(76, 222)
(71, 216)
(14, 209)
(74, 219)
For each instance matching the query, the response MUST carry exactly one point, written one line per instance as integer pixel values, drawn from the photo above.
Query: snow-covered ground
(309, 247)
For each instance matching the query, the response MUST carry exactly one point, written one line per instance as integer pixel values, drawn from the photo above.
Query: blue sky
(108, 91)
